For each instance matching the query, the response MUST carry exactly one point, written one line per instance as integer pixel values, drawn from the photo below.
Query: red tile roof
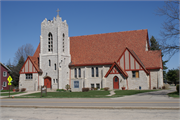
(35, 62)
(106, 48)
(36, 54)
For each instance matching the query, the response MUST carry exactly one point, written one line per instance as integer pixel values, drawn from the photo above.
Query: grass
(120, 93)
(174, 94)
(89, 94)
(11, 93)
(6, 90)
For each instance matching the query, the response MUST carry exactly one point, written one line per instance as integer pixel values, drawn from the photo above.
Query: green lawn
(89, 94)
(11, 93)
(6, 90)
(174, 94)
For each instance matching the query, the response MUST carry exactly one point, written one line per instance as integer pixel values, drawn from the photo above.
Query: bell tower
(55, 51)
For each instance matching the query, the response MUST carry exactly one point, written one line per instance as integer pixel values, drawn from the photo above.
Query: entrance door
(47, 82)
(115, 82)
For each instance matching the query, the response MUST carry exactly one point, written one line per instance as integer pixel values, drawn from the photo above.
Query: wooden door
(47, 82)
(115, 82)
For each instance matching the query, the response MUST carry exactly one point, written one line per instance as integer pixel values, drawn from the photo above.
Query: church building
(114, 60)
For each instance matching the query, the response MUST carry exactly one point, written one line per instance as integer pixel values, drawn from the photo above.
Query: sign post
(9, 80)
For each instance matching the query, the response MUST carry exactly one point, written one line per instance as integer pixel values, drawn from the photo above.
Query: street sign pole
(9, 91)
(9, 79)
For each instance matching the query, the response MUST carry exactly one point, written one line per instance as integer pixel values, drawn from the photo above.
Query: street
(87, 114)
(91, 102)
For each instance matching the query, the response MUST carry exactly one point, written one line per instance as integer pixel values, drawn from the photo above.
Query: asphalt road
(87, 114)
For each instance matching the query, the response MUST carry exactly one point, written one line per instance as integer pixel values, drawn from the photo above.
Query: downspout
(149, 80)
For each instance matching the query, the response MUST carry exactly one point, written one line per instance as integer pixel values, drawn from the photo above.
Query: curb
(94, 107)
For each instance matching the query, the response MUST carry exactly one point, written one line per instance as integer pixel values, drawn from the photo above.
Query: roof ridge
(111, 33)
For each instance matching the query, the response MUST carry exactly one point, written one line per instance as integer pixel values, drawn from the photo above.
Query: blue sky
(21, 21)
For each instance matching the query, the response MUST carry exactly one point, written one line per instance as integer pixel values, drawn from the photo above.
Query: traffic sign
(9, 79)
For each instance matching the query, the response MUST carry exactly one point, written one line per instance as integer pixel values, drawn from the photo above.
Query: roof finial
(58, 12)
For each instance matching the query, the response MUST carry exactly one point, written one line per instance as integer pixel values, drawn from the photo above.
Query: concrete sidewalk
(19, 94)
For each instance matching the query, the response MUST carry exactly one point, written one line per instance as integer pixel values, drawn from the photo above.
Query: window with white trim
(76, 84)
(50, 42)
(4, 84)
(4, 74)
(135, 74)
(29, 76)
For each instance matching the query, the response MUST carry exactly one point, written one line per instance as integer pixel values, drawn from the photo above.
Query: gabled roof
(106, 48)
(36, 54)
(34, 61)
(119, 70)
(5, 67)
(138, 60)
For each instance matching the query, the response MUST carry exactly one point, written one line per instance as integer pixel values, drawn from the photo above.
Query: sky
(21, 21)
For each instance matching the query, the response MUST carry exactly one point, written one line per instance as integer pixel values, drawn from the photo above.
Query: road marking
(79, 102)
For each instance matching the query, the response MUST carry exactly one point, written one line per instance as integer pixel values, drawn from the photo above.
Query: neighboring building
(4, 75)
(109, 60)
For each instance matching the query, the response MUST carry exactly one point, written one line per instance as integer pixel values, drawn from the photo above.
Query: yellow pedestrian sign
(9, 79)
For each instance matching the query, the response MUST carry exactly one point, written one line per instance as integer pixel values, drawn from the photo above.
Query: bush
(154, 88)
(17, 90)
(163, 87)
(102, 89)
(106, 88)
(60, 90)
(23, 89)
(177, 88)
(85, 89)
(95, 88)
(67, 87)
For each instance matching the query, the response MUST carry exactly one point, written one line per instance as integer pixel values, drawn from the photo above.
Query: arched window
(50, 42)
(75, 73)
(49, 62)
(54, 66)
(92, 71)
(79, 72)
(63, 42)
(97, 72)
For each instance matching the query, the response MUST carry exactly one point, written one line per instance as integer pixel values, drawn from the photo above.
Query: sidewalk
(18, 94)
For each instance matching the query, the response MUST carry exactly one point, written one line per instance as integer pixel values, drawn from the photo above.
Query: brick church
(114, 60)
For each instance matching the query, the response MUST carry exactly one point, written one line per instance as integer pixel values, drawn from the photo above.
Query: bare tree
(24, 51)
(170, 31)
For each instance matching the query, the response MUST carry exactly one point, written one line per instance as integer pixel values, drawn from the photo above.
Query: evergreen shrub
(177, 88)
